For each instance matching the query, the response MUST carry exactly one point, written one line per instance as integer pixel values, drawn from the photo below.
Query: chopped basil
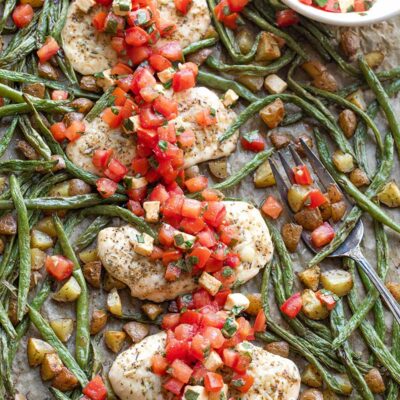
(115, 110)
(163, 145)
(321, 3)
(167, 85)
(213, 112)
(227, 271)
(140, 238)
(191, 395)
(226, 10)
(237, 310)
(193, 260)
(153, 162)
(230, 327)
(237, 383)
(179, 240)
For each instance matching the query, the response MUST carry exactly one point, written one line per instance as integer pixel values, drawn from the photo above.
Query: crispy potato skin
(291, 234)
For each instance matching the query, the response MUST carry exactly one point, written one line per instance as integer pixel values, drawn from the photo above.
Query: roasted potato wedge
(334, 194)
(297, 195)
(37, 349)
(219, 168)
(98, 321)
(278, 140)
(114, 340)
(78, 187)
(312, 307)
(254, 83)
(152, 310)
(114, 305)
(268, 48)
(291, 235)
(311, 394)
(255, 304)
(38, 258)
(136, 330)
(279, 348)
(70, 291)
(50, 367)
(326, 208)
(47, 226)
(88, 256)
(394, 288)
(310, 277)
(92, 273)
(348, 122)
(375, 381)
(245, 39)
(326, 81)
(359, 178)
(41, 240)
(390, 195)
(63, 328)
(309, 218)
(349, 42)
(264, 176)
(338, 281)
(60, 190)
(311, 377)
(65, 380)
(374, 59)
(313, 68)
(357, 98)
(8, 225)
(344, 383)
(343, 162)
(338, 211)
(273, 113)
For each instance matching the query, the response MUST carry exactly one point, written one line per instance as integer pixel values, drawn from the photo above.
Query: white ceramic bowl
(380, 11)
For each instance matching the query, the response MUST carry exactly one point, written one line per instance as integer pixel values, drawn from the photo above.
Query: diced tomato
(171, 50)
(232, 260)
(206, 238)
(192, 225)
(173, 206)
(237, 5)
(199, 372)
(220, 251)
(22, 15)
(140, 17)
(197, 183)
(213, 265)
(245, 331)
(138, 54)
(106, 187)
(211, 195)
(292, 306)
(200, 347)
(59, 267)
(174, 386)
(104, 2)
(172, 272)
(191, 317)
(224, 14)
(306, 2)
(135, 208)
(74, 131)
(115, 170)
(59, 95)
(159, 193)
(191, 208)
(272, 207)
(359, 5)
(221, 297)
(242, 363)
(136, 36)
(322, 235)
(302, 175)
(185, 331)
(165, 106)
(165, 27)
(253, 142)
(156, 254)
(171, 256)
(206, 118)
(159, 63)
(201, 298)
(181, 371)
(315, 198)
(285, 18)
(159, 364)
(48, 50)
(118, 44)
(170, 321)
(214, 336)
(260, 323)
(137, 194)
(149, 119)
(111, 117)
(166, 235)
(242, 383)
(140, 165)
(213, 382)
(199, 257)
(58, 130)
(214, 213)
(186, 139)
(230, 357)
(327, 298)
(99, 21)
(182, 5)
(183, 80)
(121, 69)
(95, 389)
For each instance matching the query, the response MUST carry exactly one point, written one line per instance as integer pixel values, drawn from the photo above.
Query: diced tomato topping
(48, 50)
(159, 364)
(237, 5)
(22, 15)
(59, 95)
(211, 195)
(185, 331)
(243, 383)
(111, 117)
(191, 208)
(174, 386)
(316, 198)
(121, 69)
(99, 21)
(74, 131)
(272, 207)
(149, 119)
(58, 130)
(115, 170)
(183, 5)
(213, 382)
(166, 235)
(181, 371)
(214, 336)
(172, 273)
(159, 63)
(59, 267)
(183, 80)
(136, 36)
(118, 44)
(359, 5)
(302, 175)
(230, 357)
(170, 321)
(95, 389)
(191, 317)
(285, 18)
(206, 118)
(187, 138)
(138, 54)
(207, 238)
(106, 187)
(171, 50)
(261, 322)
(292, 306)
(214, 213)
(200, 347)
(322, 235)
(104, 2)
(165, 106)
(171, 256)
(224, 14)
(177, 349)
(197, 184)
(327, 298)
(253, 141)
(157, 253)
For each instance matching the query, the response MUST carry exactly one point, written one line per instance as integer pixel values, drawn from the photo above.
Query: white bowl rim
(380, 11)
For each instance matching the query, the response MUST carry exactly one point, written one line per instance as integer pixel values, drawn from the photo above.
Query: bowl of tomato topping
(346, 12)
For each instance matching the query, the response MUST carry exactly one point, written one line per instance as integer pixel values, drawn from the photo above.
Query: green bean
(219, 83)
(348, 104)
(383, 100)
(61, 20)
(67, 69)
(354, 215)
(26, 165)
(104, 101)
(123, 213)
(292, 118)
(375, 344)
(89, 235)
(42, 26)
(393, 391)
(362, 200)
(49, 336)
(24, 246)
(33, 138)
(6, 12)
(255, 107)
(82, 344)
(58, 395)
(19, 53)
(226, 40)
(338, 324)
(201, 44)
(6, 323)
(24, 77)
(263, 24)
(313, 41)
(6, 369)
(16, 109)
(258, 70)
(8, 134)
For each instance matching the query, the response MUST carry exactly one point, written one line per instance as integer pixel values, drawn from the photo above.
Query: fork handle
(390, 301)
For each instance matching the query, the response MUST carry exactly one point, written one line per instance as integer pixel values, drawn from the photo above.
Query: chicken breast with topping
(145, 277)
(207, 147)
(276, 378)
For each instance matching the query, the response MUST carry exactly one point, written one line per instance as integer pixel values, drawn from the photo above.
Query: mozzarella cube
(85, 5)
(183, 240)
(195, 393)
(236, 302)
(166, 75)
(209, 283)
(230, 98)
(221, 395)
(122, 7)
(134, 183)
(213, 361)
(131, 125)
(245, 348)
(152, 210)
(246, 252)
(105, 80)
(274, 84)
(143, 244)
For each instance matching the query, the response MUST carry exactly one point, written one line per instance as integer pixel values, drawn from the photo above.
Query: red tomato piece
(172, 273)
(221, 297)
(230, 357)
(159, 364)
(253, 142)
(118, 44)
(172, 51)
(156, 254)
(192, 225)
(58, 130)
(185, 331)
(242, 364)
(327, 298)
(272, 207)
(232, 260)
(173, 206)
(138, 54)
(159, 193)
(95, 389)
(112, 117)
(170, 321)
(183, 5)
(207, 238)
(159, 63)
(99, 21)
(201, 298)
(101, 158)
(136, 36)
(316, 198)
(200, 347)
(224, 14)
(213, 382)
(165, 106)
(135, 208)
(197, 183)
(104, 2)
(322, 235)
(206, 118)
(75, 130)
(214, 213)
(260, 324)
(140, 165)
(106, 187)
(302, 175)
(171, 256)
(214, 336)
(181, 371)
(149, 119)
(191, 208)
(22, 15)
(292, 306)
(166, 235)
(59, 267)
(211, 195)
(48, 50)
(237, 5)
(191, 317)
(59, 95)
(285, 18)
(174, 386)
(359, 5)
(183, 80)
(243, 383)
(121, 69)
(186, 139)
(115, 170)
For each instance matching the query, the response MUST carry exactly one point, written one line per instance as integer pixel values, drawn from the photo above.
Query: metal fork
(351, 246)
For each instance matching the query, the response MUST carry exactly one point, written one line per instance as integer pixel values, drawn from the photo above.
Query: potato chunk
(348, 122)
(326, 81)
(337, 281)
(359, 178)
(344, 162)
(338, 210)
(92, 273)
(390, 195)
(114, 304)
(136, 330)
(114, 340)
(309, 218)
(268, 48)
(297, 195)
(311, 377)
(37, 349)
(311, 394)
(291, 235)
(394, 289)
(349, 42)
(279, 348)
(273, 113)
(63, 328)
(375, 381)
(264, 176)
(65, 380)
(98, 321)
(51, 366)
(312, 306)
(310, 277)
(70, 291)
